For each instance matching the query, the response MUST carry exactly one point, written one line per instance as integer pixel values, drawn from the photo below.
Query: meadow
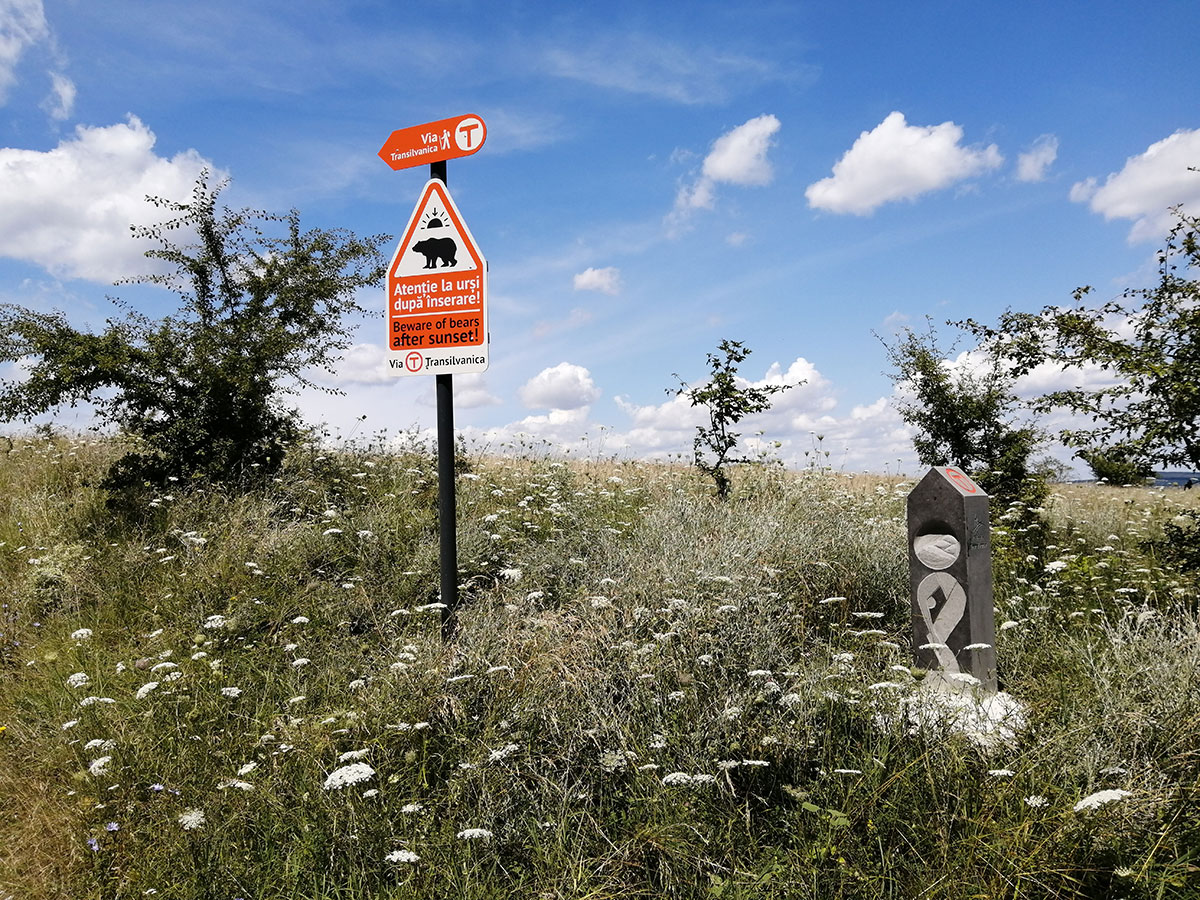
(645, 693)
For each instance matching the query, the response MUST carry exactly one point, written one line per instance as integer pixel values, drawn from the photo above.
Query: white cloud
(562, 387)
(740, 156)
(1033, 163)
(69, 209)
(360, 364)
(737, 157)
(22, 24)
(61, 102)
(898, 161)
(471, 392)
(1148, 186)
(606, 280)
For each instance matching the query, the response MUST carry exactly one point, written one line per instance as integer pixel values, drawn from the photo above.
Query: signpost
(433, 142)
(950, 568)
(437, 304)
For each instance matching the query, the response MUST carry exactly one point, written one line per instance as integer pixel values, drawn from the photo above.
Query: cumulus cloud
(898, 161)
(1033, 163)
(1148, 186)
(22, 24)
(606, 280)
(562, 387)
(737, 157)
(69, 209)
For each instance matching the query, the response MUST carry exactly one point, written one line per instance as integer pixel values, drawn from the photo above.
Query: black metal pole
(447, 513)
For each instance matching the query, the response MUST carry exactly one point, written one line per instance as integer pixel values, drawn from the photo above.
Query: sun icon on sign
(433, 219)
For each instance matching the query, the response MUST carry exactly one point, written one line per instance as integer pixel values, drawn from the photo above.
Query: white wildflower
(231, 692)
(511, 574)
(191, 819)
(213, 622)
(235, 783)
(1037, 801)
(300, 620)
(503, 753)
(410, 808)
(348, 775)
(351, 755)
(78, 680)
(145, 689)
(1100, 798)
(473, 834)
(302, 661)
(81, 634)
(674, 779)
(401, 856)
(100, 765)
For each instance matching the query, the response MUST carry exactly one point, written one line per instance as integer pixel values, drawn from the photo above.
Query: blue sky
(796, 176)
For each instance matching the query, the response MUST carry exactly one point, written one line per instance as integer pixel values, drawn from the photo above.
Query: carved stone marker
(950, 571)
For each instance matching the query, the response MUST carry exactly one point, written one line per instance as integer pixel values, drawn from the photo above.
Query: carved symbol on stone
(937, 551)
(941, 586)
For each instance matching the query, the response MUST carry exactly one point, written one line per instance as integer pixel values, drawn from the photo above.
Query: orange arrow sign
(437, 292)
(433, 142)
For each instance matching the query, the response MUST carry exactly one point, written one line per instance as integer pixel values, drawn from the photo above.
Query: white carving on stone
(937, 551)
(939, 629)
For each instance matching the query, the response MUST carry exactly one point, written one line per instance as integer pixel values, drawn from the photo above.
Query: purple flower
(156, 787)
(94, 844)
(112, 826)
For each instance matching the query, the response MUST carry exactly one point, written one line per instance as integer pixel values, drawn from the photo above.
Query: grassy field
(647, 693)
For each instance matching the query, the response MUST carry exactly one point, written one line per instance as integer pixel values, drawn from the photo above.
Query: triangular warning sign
(437, 293)
(436, 238)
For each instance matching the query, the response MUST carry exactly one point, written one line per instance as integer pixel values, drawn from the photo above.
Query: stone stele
(950, 572)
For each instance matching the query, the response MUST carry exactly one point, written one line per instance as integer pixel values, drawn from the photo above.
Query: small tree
(1147, 341)
(1116, 465)
(200, 390)
(727, 404)
(965, 418)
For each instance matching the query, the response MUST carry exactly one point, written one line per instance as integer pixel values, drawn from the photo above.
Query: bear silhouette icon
(437, 248)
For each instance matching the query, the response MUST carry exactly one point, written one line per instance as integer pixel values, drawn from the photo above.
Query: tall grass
(646, 693)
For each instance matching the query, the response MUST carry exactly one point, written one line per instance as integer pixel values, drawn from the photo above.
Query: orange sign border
(411, 141)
